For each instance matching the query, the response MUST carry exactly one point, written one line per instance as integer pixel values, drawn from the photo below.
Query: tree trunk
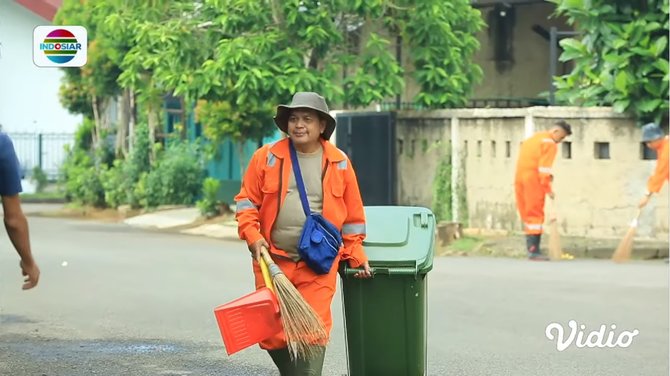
(121, 149)
(104, 118)
(152, 121)
(95, 135)
(277, 15)
(132, 120)
(184, 119)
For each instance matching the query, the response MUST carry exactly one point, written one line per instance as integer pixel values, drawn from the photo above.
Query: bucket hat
(309, 100)
(651, 132)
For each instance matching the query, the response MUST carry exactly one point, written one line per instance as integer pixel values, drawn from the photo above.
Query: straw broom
(304, 330)
(625, 248)
(555, 251)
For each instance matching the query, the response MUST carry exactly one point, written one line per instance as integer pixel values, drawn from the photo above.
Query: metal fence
(46, 150)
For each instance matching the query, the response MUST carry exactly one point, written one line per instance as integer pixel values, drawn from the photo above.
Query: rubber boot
(312, 366)
(282, 360)
(533, 244)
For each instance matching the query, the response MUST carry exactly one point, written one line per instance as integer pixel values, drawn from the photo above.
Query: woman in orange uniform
(653, 137)
(271, 213)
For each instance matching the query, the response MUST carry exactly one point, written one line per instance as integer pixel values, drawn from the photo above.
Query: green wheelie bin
(386, 316)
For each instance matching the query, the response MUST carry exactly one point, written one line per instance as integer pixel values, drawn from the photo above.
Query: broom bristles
(304, 330)
(625, 248)
(555, 251)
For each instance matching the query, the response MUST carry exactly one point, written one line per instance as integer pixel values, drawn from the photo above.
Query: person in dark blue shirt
(15, 221)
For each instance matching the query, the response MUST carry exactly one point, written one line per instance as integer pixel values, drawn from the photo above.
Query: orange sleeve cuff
(252, 235)
(356, 257)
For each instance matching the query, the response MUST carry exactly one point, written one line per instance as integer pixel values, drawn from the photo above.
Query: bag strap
(298, 180)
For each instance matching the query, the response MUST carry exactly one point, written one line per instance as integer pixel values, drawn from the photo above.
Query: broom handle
(266, 274)
(635, 221)
(274, 269)
(553, 209)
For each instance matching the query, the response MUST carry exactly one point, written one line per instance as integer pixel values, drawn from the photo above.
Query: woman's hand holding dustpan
(250, 319)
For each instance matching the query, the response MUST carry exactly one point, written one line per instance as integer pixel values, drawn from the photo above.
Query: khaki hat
(309, 100)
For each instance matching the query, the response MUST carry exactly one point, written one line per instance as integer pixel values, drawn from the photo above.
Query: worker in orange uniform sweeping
(653, 137)
(533, 182)
(299, 191)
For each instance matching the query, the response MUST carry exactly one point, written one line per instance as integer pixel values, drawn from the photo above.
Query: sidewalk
(186, 221)
(474, 243)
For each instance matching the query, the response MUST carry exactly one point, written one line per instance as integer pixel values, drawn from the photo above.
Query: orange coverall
(660, 176)
(264, 187)
(533, 179)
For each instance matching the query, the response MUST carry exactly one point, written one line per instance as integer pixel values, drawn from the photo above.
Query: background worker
(270, 212)
(655, 139)
(16, 223)
(533, 180)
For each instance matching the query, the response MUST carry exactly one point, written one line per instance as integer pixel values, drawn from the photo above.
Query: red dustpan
(248, 320)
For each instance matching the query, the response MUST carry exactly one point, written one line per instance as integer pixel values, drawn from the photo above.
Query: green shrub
(177, 176)
(122, 179)
(83, 136)
(115, 185)
(40, 179)
(210, 205)
(442, 189)
(620, 58)
(80, 173)
(81, 181)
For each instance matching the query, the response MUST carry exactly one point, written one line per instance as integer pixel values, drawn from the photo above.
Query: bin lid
(400, 236)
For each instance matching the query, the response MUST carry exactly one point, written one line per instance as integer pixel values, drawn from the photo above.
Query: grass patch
(465, 244)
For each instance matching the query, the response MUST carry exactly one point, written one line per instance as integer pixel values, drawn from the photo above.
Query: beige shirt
(288, 225)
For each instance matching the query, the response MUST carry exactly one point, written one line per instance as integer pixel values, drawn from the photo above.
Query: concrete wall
(595, 197)
(28, 94)
(418, 157)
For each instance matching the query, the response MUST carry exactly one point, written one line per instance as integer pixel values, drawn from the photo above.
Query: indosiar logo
(60, 46)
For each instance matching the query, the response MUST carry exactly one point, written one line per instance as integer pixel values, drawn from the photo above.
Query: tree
(88, 90)
(621, 58)
(266, 50)
(221, 122)
(248, 55)
(342, 48)
(127, 25)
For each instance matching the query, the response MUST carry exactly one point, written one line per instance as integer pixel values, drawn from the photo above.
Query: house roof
(44, 8)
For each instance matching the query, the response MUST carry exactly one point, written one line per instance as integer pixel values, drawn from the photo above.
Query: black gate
(368, 138)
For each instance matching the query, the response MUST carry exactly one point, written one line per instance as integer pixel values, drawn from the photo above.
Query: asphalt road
(131, 302)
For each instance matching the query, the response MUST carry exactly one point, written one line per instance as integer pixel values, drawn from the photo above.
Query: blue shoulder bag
(320, 240)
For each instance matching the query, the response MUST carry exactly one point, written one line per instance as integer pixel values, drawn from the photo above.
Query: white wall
(28, 94)
(596, 197)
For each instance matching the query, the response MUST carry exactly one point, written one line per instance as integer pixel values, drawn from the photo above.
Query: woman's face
(305, 126)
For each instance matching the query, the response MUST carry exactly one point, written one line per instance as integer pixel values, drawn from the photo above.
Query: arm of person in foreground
(15, 221)
(17, 229)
